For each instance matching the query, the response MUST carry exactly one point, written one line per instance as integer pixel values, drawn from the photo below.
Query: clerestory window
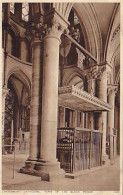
(25, 12)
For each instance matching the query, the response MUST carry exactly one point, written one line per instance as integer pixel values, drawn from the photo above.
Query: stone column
(112, 89)
(75, 115)
(43, 143)
(35, 109)
(102, 117)
(91, 86)
(50, 98)
(49, 167)
(91, 79)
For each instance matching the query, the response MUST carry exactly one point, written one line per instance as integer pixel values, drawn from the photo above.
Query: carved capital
(92, 72)
(51, 24)
(5, 91)
(103, 72)
(36, 30)
(112, 89)
(54, 29)
(56, 25)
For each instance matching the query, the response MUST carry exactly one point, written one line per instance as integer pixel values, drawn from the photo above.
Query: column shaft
(91, 86)
(111, 101)
(102, 118)
(35, 103)
(50, 99)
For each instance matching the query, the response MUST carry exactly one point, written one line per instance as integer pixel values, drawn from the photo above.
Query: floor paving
(105, 179)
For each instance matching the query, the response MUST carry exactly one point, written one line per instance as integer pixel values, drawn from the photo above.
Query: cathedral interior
(61, 85)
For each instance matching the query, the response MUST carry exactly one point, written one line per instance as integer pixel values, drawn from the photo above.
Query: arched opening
(76, 81)
(11, 115)
(11, 43)
(17, 114)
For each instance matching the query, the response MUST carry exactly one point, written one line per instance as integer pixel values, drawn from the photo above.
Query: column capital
(112, 89)
(51, 24)
(98, 71)
(5, 91)
(92, 72)
(55, 24)
(103, 71)
(35, 30)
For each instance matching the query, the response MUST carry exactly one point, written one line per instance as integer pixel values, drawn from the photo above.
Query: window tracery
(25, 12)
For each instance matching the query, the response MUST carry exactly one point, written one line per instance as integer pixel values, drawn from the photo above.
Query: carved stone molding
(73, 90)
(117, 29)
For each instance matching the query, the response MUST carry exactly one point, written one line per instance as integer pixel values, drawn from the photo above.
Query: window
(25, 11)
(12, 8)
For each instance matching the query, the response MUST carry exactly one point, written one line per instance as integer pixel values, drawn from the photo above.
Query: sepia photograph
(60, 97)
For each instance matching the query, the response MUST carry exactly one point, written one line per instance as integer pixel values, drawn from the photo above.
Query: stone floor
(105, 179)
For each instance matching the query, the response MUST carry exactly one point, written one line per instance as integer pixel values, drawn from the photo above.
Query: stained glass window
(25, 11)
(12, 8)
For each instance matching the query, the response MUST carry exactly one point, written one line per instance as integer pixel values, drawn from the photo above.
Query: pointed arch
(75, 79)
(22, 77)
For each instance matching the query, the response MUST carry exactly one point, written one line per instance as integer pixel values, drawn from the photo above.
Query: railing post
(14, 163)
(90, 150)
(116, 142)
(74, 149)
(101, 149)
(111, 146)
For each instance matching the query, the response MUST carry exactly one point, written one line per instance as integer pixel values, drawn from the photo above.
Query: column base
(105, 159)
(112, 161)
(48, 171)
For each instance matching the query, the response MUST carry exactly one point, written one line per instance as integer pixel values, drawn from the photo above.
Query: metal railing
(79, 149)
